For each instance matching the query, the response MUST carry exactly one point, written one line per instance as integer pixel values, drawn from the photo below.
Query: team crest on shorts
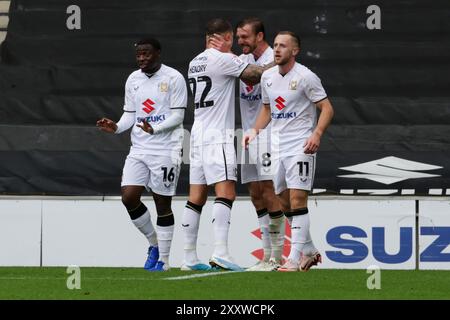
(293, 85)
(163, 87)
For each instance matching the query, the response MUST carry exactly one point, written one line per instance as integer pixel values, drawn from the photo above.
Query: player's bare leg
(140, 216)
(198, 194)
(284, 200)
(131, 196)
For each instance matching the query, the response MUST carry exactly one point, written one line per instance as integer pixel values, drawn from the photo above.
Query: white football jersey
(292, 99)
(250, 96)
(211, 78)
(153, 98)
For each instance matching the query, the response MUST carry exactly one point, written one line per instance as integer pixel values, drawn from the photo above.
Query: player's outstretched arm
(107, 125)
(125, 122)
(312, 144)
(261, 122)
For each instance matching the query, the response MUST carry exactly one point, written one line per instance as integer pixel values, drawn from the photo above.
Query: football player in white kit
(255, 172)
(155, 101)
(290, 94)
(212, 76)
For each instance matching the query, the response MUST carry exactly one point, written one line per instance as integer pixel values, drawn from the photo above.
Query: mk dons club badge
(293, 85)
(163, 87)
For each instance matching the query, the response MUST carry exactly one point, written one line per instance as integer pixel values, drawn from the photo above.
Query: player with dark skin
(149, 61)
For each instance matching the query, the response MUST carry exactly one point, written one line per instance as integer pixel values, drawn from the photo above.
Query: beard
(247, 49)
(281, 61)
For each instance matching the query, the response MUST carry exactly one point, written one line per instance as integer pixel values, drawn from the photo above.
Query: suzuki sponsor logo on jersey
(149, 119)
(148, 106)
(284, 115)
(348, 242)
(250, 97)
(390, 170)
(280, 103)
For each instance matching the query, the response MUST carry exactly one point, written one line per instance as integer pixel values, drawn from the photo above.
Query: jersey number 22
(208, 84)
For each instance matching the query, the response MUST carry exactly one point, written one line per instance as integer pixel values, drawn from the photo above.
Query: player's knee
(130, 200)
(229, 194)
(198, 199)
(285, 205)
(299, 202)
(268, 193)
(226, 189)
(257, 197)
(198, 194)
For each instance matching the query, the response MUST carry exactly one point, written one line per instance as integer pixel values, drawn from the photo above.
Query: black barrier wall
(389, 87)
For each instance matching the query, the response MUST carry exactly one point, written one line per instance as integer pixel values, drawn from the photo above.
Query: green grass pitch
(133, 283)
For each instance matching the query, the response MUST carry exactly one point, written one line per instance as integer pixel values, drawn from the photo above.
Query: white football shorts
(294, 172)
(155, 172)
(256, 165)
(212, 163)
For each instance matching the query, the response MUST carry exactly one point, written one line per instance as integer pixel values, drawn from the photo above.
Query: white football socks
(164, 231)
(277, 231)
(299, 232)
(309, 249)
(144, 224)
(221, 225)
(190, 224)
(264, 220)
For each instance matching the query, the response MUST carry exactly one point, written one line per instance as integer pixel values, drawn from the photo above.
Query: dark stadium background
(389, 87)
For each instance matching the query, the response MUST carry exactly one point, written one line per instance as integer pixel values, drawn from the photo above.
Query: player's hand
(312, 144)
(146, 126)
(248, 137)
(218, 42)
(107, 125)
